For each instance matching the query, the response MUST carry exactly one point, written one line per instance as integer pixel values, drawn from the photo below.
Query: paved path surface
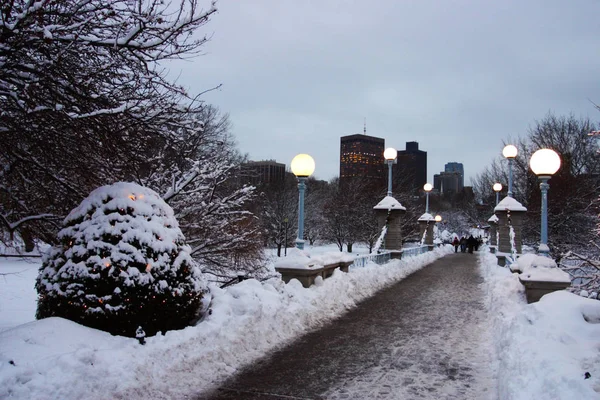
(425, 337)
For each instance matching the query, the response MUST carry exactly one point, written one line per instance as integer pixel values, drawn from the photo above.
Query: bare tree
(84, 101)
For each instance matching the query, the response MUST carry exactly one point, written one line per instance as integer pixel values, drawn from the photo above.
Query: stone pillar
(393, 236)
(389, 212)
(426, 223)
(493, 221)
(510, 213)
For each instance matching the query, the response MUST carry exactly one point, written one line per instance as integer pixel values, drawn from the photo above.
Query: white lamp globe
(390, 154)
(303, 165)
(544, 162)
(427, 187)
(438, 218)
(497, 187)
(509, 151)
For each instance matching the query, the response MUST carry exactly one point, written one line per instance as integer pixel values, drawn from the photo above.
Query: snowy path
(426, 337)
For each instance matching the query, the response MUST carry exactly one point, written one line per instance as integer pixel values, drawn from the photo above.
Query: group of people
(465, 244)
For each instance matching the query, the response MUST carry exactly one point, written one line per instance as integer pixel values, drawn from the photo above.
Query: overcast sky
(456, 76)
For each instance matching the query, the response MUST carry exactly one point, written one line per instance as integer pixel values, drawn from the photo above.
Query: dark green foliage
(122, 266)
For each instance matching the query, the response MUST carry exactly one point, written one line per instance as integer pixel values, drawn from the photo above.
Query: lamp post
(303, 166)
(427, 188)
(497, 188)
(544, 163)
(390, 155)
(286, 229)
(438, 218)
(510, 152)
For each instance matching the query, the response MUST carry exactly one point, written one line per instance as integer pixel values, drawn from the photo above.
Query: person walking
(471, 243)
(455, 243)
(463, 244)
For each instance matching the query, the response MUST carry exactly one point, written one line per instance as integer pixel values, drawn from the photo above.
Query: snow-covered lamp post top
(303, 165)
(390, 154)
(509, 151)
(544, 162)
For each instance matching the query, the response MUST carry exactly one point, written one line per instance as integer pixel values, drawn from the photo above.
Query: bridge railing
(414, 251)
(386, 256)
(380, 258)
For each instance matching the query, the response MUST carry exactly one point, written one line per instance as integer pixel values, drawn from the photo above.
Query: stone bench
(534, 290)
(307, 276)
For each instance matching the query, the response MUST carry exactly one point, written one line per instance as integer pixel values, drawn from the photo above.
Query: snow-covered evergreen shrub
(122, 263)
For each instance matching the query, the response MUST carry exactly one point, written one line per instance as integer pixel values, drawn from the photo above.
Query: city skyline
(296, 77)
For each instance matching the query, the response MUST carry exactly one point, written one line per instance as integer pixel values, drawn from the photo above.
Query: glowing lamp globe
(544, 162)
(427, 187)
(390, 154)
(303, 165)
(438, 218)
(497, 187)
(509, 151)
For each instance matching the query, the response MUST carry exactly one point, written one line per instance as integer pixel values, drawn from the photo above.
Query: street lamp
(438, 218)
(497, 188)
(427, 188)
(544, 163)
(286, 229)
(510, 152)
(303, 166)
(390, 155)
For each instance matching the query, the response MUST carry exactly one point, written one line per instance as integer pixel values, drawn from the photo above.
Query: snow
(539, 268)
(493, 218)
(544, 349)
(509, 203)
(426, 217)
(389, 203)
(300, 259)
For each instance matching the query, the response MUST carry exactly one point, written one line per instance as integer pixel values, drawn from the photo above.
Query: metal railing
(386, 256)
(380, 258)
(414, 251)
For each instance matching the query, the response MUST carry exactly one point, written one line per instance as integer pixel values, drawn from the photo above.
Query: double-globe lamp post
(427, 188)
(390, 155)
(544, 163)
(302, 166)
(497, 188)
(510, 152)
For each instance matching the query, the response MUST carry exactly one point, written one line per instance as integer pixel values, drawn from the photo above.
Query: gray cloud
(456, 76)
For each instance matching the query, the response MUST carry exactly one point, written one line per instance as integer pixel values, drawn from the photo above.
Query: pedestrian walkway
(425, 337)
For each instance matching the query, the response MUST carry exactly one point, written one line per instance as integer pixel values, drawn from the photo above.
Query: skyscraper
(451, 180)
(411, 167)
(361, 156)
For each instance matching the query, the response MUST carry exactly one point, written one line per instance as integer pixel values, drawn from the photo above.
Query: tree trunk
(349, 246)
(278, 249)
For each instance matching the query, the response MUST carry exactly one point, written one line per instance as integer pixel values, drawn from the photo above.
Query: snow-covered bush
(122, 263)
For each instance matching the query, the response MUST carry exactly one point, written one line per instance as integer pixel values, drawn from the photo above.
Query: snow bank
(539, 268)
(58, 359)
(544, 349)
(301, 259)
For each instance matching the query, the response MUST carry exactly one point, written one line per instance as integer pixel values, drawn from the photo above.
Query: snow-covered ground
(545, 349)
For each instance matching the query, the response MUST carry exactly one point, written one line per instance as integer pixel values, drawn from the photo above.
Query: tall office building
(267, 171)
(451, 180)
(456, 167)
(361, 156)
(411, 168)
